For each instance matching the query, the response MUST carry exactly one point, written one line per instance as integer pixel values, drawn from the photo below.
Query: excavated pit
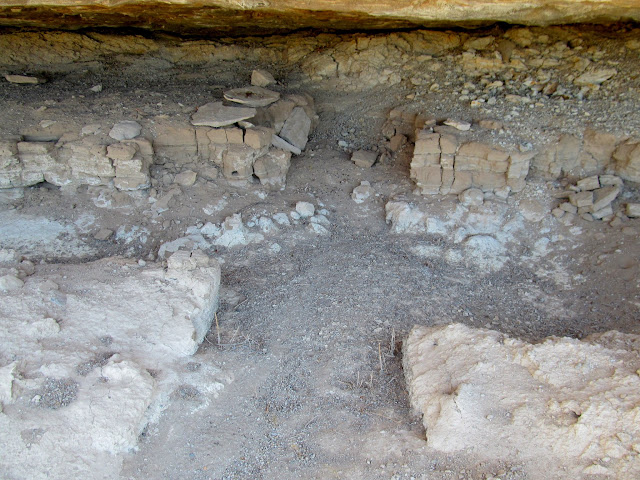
(382, 181)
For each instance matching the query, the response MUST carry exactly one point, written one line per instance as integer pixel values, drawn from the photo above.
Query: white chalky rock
(6, 383)
(471, 197)
(267, 226)
(305, 209)
(362, 192)
(82, 406)
(9, 283)
(281, 219)
(318, 229)
(125, 130)
(564, 407)
(234, 233)
(321, 220)
(405, 218)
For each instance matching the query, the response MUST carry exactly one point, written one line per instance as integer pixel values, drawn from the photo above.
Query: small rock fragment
(296, 128)
(567, 207)
(364, 158)
(396, 142)
(589, 183)
(103, 234)
(272, 168)
(186, 178)
(362, 192)
(22, 79)
(603, 212)
(471, 197)
(633, 210)
(457, 124)
(558, 212)
(305, 209)
(262, 78)
(317, 229)
(125, 130)
(281, 219)
(282, 144)
(581, 199)
(606, 180)
(604, 196)
(267, 226)
(9, 283)
(596, 77)
(502, 193)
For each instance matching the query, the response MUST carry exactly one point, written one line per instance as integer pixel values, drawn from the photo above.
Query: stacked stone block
(444, 164)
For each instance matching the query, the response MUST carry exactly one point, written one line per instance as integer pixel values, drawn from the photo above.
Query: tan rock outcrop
(287, 15)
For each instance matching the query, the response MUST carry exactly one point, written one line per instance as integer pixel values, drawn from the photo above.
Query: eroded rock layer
(243, 17)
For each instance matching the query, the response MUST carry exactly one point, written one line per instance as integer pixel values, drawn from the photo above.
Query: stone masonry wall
(88, 160)
(444, 164)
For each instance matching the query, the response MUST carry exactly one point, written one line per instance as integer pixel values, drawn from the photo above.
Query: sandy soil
(310, 332)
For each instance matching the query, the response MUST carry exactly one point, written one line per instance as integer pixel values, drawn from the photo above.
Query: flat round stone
(252, 96)
(215, 114)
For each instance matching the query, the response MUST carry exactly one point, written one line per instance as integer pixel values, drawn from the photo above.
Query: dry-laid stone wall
(444, 163)
(258, 138)
(87, 160)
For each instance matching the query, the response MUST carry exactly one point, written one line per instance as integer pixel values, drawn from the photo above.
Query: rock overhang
(282, 16)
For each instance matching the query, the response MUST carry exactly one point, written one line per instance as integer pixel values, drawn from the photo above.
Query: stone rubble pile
(234, 231)
(80, 352)
(591, 198)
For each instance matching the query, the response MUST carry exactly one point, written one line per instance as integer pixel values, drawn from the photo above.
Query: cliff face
(271, 16)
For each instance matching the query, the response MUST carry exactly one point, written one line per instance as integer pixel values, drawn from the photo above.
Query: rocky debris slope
(567, 408)
(86, 362)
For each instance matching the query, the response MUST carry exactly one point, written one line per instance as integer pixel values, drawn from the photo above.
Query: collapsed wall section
(240, 141)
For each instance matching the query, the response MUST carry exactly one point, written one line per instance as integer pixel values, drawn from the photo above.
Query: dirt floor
(310, 327)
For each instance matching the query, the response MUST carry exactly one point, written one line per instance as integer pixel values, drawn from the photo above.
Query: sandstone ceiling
(272, 16)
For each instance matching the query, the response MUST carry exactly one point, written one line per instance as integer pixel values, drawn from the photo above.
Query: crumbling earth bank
(568, 408)
(91, 353)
